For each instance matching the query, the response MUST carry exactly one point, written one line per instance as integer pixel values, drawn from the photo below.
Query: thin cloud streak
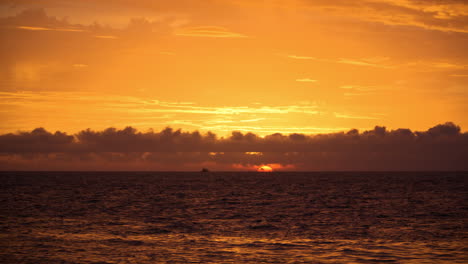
(209, 31)
(459, 75)
(347, 116)
(306, 80)
(355, 62)
(129, 108)
(430, 15)
(360, 63)
(137, 105)
(258, 129)
(384, 63)
(300, 57)
(33, 28)
(229, 110)
(106, 37)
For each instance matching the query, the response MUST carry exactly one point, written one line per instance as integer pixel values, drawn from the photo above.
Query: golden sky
(305, 66)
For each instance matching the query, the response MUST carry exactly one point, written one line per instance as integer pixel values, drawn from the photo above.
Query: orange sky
(306, 66)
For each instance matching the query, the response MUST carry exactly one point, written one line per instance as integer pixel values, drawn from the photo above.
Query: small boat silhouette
(205, 170)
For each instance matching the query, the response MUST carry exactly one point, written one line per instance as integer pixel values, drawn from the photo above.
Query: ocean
(233, 217)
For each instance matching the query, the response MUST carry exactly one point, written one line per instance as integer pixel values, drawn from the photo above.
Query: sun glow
(264, 168)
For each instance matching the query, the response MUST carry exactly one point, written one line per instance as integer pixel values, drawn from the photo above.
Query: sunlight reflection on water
(229, 218)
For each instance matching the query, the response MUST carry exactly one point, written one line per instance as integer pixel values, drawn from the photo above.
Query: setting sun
(265, 168)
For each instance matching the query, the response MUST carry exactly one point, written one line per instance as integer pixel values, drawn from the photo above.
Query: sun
(264, 168)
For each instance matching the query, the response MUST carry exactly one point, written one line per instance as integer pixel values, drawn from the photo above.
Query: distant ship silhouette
(205, 170)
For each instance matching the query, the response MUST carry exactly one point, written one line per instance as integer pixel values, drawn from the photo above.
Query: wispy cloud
(208, 31)
(355, 62)
(106, 37)
(368, 62)
(360, 63)
(300, 57)
(138, 105)
(128, 108)
(263, 129)
(445, 16)
(384, 62)
(80, 65)
(349, 116)
(435, 66)
(167, 53)
(252, 120)
(305, 80)
(33, 28)
(234, 110)
(360, 88)
(448, 65)
(357, 90)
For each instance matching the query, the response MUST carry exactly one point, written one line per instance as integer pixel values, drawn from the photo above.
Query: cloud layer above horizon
(442, 147)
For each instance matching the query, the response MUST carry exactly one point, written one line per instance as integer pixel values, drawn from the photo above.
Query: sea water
(233, 217)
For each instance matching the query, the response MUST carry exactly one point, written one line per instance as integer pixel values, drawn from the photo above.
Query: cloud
(435, 66)
(167, 53)
(355, 90)
(121, 10)
(442, 147)
(386, 63)
(165, 107)
(445, 16)
(300, 57)
(36, 19)
(360, 63)
(306, 80)
(106, 37)
(50, 29)
(458, 75)
(208, 31)
(359, 88)
(258, 129)
(368, 62)
(340, 115)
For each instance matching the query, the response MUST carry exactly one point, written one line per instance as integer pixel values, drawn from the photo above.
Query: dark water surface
(136, 217)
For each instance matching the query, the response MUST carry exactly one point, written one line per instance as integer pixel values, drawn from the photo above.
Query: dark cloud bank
(442, 147)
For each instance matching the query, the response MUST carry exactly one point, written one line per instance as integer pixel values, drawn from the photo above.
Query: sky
(281, 66)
